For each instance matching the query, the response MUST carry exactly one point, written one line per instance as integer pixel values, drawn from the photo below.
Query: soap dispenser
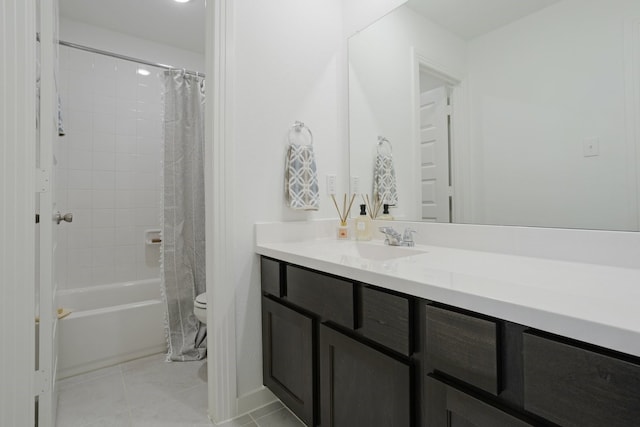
(363, 225)
(385, 213)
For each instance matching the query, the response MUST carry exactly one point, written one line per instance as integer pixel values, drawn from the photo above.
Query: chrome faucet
(393, 238)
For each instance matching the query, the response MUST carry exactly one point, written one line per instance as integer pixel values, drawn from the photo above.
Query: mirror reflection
(499, 112)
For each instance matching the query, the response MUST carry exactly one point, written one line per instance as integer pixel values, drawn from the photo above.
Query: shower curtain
(183, 222)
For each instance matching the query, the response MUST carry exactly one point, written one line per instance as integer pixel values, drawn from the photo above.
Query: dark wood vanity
(342, 353)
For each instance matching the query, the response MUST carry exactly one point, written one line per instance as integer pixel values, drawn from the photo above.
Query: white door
(434, 156)
(48, 227)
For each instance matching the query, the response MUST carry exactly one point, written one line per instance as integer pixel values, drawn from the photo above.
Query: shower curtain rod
(127, 58)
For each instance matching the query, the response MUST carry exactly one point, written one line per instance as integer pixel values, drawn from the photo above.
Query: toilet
(200, 307)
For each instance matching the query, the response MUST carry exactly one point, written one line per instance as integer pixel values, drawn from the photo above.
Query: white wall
(382, 95)
(539, 88)
(289, 62)
(124, 44)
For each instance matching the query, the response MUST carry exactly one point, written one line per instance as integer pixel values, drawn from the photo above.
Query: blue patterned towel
(301, 178)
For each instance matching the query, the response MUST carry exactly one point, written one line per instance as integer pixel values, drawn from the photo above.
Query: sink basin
(380, 252)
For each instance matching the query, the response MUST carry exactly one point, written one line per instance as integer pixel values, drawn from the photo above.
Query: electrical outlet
(591, 147)
(331, 184)
(355, 185)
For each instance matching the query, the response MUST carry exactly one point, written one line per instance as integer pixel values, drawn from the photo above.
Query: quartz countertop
(594, 303)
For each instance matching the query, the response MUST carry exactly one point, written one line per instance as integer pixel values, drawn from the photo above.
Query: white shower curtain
(183, 222)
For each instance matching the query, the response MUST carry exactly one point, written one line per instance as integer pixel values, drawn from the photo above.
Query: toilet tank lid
(202, 299)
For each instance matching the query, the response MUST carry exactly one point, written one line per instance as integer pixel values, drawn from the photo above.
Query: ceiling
(180, 25)
(472, 18)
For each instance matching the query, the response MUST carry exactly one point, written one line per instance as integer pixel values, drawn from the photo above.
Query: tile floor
(150, 392)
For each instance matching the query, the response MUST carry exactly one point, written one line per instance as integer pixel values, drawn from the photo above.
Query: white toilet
(200, 307)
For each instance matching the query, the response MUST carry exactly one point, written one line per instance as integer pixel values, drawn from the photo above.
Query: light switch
(591, 147)
(355, 185)
(331, 184)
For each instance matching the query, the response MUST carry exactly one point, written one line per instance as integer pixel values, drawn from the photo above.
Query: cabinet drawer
(464, 347)
(449, 407)
(385, 319)
(328, 297)
(573, 386)
(270, 276)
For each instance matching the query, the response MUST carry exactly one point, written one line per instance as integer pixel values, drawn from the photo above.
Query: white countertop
(593, 303)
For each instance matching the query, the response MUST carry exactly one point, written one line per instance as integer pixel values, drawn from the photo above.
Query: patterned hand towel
(301, 178)
(384, 180)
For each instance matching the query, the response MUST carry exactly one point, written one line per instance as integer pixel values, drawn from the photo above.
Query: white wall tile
(104, 104)
(103, 180)
(79, 121)
(125, 199)
(103, 275)
(148, 128)
(104, 123)
(80, 238)
(104, 142)
(125, 181)
(126, 235)
(79, 199)
(146, 217)
(125, 217)
(104, 257)
(103, 237)
(79, 140)
(127, 162)
(104, 218)
(126, 125)
(79, 277)
(80, 258)
(104, 161)
(79, 159)
(126, 144)
(125, 255)
(112, 114)
(79, 179)
(126, 108)
(103, 199)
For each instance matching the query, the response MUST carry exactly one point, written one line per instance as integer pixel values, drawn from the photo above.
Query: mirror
(505, 113)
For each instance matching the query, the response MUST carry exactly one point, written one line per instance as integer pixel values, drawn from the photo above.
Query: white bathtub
(109, 324)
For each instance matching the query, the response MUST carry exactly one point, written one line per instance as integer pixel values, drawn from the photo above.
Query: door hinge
(43, 181)
(40, 382)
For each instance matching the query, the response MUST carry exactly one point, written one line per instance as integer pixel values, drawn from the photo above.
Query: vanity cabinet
(337, 352)
(340, 353)
(449, 407)
(360, 385)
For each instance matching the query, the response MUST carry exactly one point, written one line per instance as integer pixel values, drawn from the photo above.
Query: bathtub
(109, 324)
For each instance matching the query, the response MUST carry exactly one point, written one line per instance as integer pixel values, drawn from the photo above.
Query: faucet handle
(407, 236)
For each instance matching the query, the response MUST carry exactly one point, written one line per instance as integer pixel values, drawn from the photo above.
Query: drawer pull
(381, 322)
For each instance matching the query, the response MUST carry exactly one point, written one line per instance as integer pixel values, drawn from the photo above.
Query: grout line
(126, 396)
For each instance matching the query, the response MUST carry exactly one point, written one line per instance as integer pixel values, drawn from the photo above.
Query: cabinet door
(450, 407)
(360, 386)
(287, 351)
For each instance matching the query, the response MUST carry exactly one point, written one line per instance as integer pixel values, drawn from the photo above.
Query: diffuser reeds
(344, 213)
(374, 209)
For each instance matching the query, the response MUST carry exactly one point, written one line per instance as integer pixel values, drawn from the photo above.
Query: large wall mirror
(501, 112)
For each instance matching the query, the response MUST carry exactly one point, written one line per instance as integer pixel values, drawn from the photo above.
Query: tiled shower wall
(110, 168)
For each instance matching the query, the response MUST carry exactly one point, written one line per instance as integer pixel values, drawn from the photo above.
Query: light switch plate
(355, 185)
(331, 184)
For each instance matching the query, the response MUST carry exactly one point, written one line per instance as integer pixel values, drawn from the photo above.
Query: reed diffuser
(343, 229)
(373, 209)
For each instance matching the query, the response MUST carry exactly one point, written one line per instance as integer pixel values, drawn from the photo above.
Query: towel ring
(381, 141)
(298, 127)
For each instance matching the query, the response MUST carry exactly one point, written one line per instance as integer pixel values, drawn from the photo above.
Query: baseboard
(254, 400)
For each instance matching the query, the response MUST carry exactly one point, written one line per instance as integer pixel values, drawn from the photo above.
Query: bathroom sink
(381, 252)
